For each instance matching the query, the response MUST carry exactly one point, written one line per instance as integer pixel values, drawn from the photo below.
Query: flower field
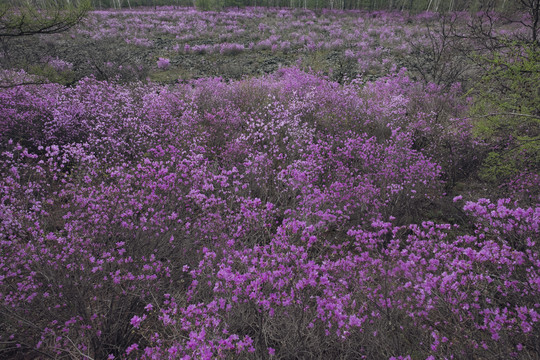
(133, 44)
(305, 212)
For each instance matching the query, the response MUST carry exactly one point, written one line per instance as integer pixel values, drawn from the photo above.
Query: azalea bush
(283, 216)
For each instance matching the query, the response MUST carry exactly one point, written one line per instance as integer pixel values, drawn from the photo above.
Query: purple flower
(132, 348)
(136, 321)
(163, 63)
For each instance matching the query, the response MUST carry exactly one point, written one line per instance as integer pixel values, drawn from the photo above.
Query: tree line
(370, 5)
(26, 17)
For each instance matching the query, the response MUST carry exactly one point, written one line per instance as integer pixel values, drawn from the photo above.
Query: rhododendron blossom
(280, 216)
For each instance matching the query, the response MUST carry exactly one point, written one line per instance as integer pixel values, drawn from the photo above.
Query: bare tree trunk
(535, 14)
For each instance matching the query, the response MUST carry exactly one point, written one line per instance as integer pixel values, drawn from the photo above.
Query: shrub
(163, 63)
(507, 110)
(145, 221)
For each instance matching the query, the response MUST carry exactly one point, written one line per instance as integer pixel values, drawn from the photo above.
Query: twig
(21, 84)
(507, 114)
(78, 350)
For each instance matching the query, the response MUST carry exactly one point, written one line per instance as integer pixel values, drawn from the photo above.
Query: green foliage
(508, 111)
(234, 3)
(65, 77)
(210, 5)
(516, 74)
(496, 167)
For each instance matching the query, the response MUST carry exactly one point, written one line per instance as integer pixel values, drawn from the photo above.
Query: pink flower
(163, 63)
(136, 321)
(132, 348)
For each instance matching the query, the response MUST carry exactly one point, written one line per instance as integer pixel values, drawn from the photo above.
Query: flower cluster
(59, 64)
(163, 63)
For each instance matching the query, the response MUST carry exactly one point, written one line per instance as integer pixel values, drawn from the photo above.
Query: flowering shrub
(282, 216)
(459, 295)
(231, 49)
(59, 64)
(163, 63)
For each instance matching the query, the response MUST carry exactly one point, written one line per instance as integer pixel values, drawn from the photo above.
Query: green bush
(210, 5)
(508, 112)
(64, 77)
(497, 167)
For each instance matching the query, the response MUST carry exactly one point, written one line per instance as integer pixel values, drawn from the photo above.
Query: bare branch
(27, 20)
